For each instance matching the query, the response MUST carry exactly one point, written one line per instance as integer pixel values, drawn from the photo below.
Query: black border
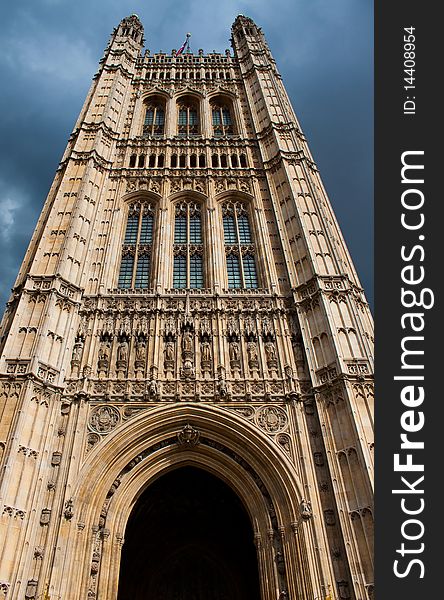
(394, 134)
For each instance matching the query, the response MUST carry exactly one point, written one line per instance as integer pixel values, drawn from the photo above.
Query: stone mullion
(188, 243)
(342, 507)
(165, 245)
(137, 245)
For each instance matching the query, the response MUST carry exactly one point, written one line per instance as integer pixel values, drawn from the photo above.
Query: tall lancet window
(187, 118)
(239, 247)
(154, 123)
(222, 119)
(137, 247)
(188, 246)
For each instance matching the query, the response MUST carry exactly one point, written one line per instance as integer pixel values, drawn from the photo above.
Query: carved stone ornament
(188, 437)
(305, 510)
(45, 516)
(68, 512)
(271, 418)
(92, 440)
(31, 589)
(344, 591)
(329, 516)
(104, 418)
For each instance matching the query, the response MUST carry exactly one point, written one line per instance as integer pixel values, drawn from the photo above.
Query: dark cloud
(51, 49)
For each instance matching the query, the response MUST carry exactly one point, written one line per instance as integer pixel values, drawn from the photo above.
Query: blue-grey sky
(50, 51)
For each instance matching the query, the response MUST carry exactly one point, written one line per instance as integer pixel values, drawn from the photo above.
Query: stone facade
(268, 384)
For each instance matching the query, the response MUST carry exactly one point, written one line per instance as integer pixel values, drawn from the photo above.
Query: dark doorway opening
(189, 538)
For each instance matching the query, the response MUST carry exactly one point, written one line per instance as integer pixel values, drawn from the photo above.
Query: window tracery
(222, 119)
(135, 265)
(188, 246)
(239, 246)
(154, 123)
(187, 118)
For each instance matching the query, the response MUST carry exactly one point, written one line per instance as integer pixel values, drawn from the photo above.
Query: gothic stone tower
(186, 355)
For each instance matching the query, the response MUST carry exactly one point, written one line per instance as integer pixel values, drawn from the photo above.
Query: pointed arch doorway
(189, 537)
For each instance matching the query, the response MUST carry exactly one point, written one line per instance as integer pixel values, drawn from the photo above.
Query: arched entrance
(188, 538)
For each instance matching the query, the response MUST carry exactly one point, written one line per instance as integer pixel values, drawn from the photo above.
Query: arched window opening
(239, 247)
(215, 161)
(182, 159)
(222, 118)
(132, 162)
(160, 161)
(137, 247)
(173, 161)
(154, 123)
(234, 161)
(202, 160)
(141, 161)
(223, 161)
(188, 118)
(193, 161)
(152, 162)
(243, 161)
(188, 246)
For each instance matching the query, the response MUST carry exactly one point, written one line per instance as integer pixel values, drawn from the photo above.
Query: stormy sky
(50, 50)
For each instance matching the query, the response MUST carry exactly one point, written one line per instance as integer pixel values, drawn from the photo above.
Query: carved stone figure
(270, 352)
(206, 351)
(187, 342)
(169, 351)
(234, 351)
(104, 352)
(306, 510)
(122, 352)
(222, 388)
(252, 352)
(140, 350)
(77, 352)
